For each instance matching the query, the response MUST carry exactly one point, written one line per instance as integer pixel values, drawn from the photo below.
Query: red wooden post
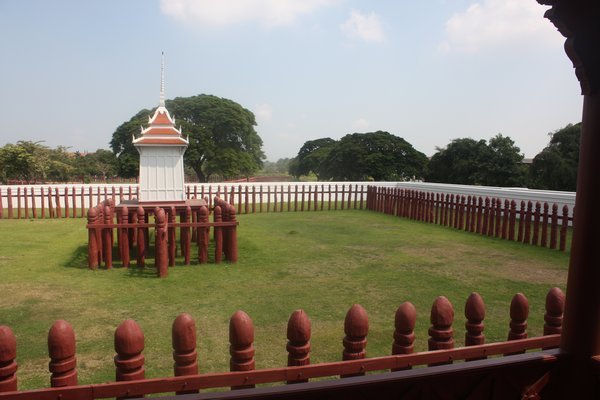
(356, 328)
(61, 348)
(544, 240)
(343, 196)
(8, 355)
(124, 237)
(218, 231)
(141, 238)
(241, 339)
(33, 204)
(563, 228)
(350, 197)
(298, 345)
(498, 230)
(328, 197)
(302, 199)
(479, 215)
(521, 222)
(404, 332)
(519, 311)
(107, 239)
(492, 217)
(260, 199)
(82, 201)
(129, 344)
(536, 224)
(506, 219)
(335, 204)
(161, 257)
(10, 203)
(555, 307)
(172, 236)
(247, 199)
(66, 198)
(43, 204)
(362, 191)
(74, 202)
(25, 202)
(203, 236)
(528, 215)
(253, 199)
(468, 214)
(512, 220)
(232, 238)
(475, 314)
(486, 216)
(441, 335)
(554, 226)
(19, 202)
(316, 198)
(50, 207)
(186, 237)
(183, 337)
(444, 205)
(58, 208)
(92, 217)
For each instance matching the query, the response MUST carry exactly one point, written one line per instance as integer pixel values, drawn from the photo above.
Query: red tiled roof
(145, 140)
(162, 131)
(161, 119)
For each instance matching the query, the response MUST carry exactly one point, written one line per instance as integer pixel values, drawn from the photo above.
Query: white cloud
(219, 13)
(489, 23)
(263, 112)
(367, 27)
(361, 124)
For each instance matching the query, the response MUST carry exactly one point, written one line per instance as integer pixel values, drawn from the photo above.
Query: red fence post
(66, 198)
(544, 240)
(506, 219)
(61, 348)
(404, 332)
(441, 335)
(486, 216)
(161, 258)
(356, 328)
(124, 237)
(92, 219)
(10, 203)
(498, 231)
(241, 339)
(475, 314)
(554, 226)
(129, 344)
(528, 215)
(172, 235)
(8, 354)
(563, 228)
(536, 224)
(141, 238)
(33, 204)
(555, 307)
(107, 238)
(519, 311)
(218, 232)
(491, 217)
(186, 236)
(232, 238)
(183, 338)
(202, 236)
(298, 345)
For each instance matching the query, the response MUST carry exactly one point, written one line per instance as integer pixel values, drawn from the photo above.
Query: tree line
(224, 142)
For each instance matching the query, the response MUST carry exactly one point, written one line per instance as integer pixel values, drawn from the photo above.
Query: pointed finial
(162, 80)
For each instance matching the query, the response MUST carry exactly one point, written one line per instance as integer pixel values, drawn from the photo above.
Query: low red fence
(536, 224)
(134, 231)
(129, 346)
(73, 201)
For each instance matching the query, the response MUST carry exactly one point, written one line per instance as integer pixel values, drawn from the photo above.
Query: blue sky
(430, 71)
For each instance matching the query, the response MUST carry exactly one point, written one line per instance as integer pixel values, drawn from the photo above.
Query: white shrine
(161, 147)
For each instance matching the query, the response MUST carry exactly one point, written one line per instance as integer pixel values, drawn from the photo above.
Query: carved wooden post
(298, 345)
(183, 335)
(441, 335)
(479, 215)
(475, 314)
(498, 231)
(563, 228)
(129, 344)
(241, 339)
(124, 237)
(512, 221)
(107, 239)
(519, 311)
(544, 240)
(528, 215)
(92, 217)
(554, 226)
(141, 238)
(505, 219)
(356, 328)
(61, 348)
(172, 237)
(218, 232)
(404, 332)
(232, 245)
(9, 203)
(555, 307)
(492, 217)
(161, 258)
(186, 237)
(203, 235)
(521, 222)
(486, 216)
(8, 354)
(132, 231)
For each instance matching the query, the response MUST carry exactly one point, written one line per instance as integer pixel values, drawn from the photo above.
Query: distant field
(322, 262)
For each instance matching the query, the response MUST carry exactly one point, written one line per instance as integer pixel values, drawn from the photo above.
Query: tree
(221, 133)
(312, 157)
(374, 155)
(470, 162)
(25, 160)
(555, 167)
(460, 162)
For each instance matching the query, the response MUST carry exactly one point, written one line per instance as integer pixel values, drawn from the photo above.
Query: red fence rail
(129, 345)
(73, 201)
(536, 224)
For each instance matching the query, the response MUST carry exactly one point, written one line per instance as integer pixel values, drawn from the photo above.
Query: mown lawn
(322, 262)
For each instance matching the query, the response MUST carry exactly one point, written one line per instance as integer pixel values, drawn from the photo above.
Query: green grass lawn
(322, 262)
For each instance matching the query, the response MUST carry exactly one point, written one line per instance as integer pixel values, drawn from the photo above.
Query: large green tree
(312, 157)
(221, 132)
(379, 155)
(471, 162)
(555, 167)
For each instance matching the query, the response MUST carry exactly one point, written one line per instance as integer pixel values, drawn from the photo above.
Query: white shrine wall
(161, 173)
